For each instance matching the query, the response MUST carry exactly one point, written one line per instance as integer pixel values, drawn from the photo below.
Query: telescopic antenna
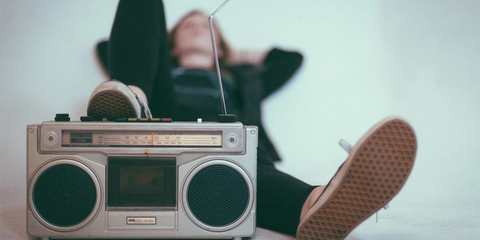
(225, 117)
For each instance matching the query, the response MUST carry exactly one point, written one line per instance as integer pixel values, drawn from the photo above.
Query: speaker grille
(64, 195)
(218, 195)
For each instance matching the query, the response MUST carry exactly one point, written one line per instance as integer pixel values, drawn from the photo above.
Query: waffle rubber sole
(111, 105)
(375, 171)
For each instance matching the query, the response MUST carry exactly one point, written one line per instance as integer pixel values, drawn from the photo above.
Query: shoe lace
(144, 105)
(348, 147)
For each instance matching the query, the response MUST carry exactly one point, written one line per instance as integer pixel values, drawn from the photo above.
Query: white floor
(363, 61)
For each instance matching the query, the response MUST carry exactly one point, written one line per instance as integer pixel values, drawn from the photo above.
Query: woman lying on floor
(173, 75)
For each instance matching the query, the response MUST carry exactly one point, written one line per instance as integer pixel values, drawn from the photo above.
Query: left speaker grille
(64, 195)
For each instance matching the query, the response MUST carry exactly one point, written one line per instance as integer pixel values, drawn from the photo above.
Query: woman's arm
(278, 67)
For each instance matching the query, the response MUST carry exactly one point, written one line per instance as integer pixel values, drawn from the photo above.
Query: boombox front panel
(69, 195)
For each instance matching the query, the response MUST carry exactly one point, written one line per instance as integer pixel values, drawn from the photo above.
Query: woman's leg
(138, 51)
(280, 199)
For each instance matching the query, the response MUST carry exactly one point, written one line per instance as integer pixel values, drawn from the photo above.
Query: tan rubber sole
(375, 171)
(111, 105)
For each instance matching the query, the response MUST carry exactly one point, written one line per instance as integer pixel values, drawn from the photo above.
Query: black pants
(139, 54)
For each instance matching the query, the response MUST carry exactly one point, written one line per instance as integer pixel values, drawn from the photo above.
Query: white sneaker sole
(375, 171)
(112, 100)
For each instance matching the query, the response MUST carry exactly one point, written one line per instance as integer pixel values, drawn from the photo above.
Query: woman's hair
(223, 44)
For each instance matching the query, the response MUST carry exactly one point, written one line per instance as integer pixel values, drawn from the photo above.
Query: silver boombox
(142, 178)
(138, 179)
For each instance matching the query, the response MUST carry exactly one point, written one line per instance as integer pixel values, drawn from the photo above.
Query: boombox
(134, 179)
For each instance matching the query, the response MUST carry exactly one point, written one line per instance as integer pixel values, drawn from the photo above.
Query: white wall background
(364, 60)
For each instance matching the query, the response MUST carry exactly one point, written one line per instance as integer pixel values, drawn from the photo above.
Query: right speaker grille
(218, 195)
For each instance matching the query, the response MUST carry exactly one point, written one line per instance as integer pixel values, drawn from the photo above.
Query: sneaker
(113, 99)
(376, 169)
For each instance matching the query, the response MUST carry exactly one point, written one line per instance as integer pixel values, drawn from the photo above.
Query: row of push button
(64, 117)
(144, 120)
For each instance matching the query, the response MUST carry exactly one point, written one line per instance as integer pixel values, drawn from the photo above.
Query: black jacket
(257, 83)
